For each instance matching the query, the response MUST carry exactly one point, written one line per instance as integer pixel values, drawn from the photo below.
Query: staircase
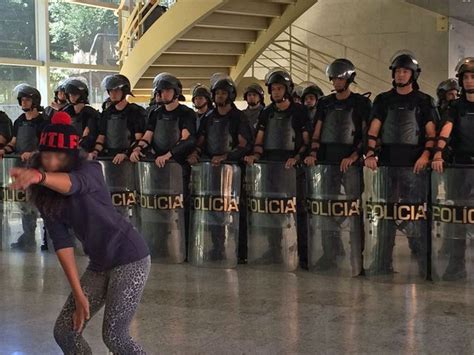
(197, 38)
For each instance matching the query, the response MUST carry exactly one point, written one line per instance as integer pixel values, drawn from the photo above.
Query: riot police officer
(341, 120)
(296, 95)
(456, 145)
(255, 98)
(447, 91)
(224, 135)
(122, 124)
(25, 139)
(6, 128)
(310, 97)
(171, 127)
(225, 132)
(202, 101)
(403, 119)
(282, 135)
(59, 102)
(85, 118)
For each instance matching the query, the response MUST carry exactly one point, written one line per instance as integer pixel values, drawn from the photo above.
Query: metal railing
(307, 63)
(132, 26)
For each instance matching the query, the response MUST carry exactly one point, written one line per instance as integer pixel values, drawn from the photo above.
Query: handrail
(305, 59)
(132, 30)
(290, 34)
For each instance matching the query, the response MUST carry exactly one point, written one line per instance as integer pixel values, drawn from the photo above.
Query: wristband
(43, 177)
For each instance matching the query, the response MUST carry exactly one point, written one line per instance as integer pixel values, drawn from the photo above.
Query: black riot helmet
(220, 81)
(25, 90)
(168, 81)
(60, 87)
(203, 91)
(256, 89)
(117, 81)
(445, 86)
(465, 65)
(297, 92)
(311, 88)
(407, 60)
(279, 76)
(77, 86)
(343, 69)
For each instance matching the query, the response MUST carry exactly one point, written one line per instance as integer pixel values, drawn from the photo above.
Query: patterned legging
(120, 290)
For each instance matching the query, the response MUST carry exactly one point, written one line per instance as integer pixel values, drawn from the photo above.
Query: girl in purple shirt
(70, 193)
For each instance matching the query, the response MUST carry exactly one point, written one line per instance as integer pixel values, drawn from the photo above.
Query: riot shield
(19, 218)
(120, 179)
(396, 224)
(334, 219)
(271, 217)
(453, 224)
(161, 212)
(214, 217)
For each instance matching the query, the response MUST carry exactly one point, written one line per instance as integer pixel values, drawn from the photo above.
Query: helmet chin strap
(27, 109)
(281, 100)
(200, 106)
(253, 104)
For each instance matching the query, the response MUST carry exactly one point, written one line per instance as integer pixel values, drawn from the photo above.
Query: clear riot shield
(396, 223)
(19, 218)
(214, 217)
(271, 216)
(334, 220)
(121, 181)
(161, 210)
(453, 225)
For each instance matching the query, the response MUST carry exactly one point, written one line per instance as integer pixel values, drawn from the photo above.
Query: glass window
(11, 76)
(82, 34)
(17, 29)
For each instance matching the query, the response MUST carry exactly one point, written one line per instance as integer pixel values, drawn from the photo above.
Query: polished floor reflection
(187, 310)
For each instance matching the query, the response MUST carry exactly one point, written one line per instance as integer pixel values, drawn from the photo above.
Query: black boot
(24, 243)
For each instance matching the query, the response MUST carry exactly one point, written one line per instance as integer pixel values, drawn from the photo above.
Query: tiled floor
(187, 310)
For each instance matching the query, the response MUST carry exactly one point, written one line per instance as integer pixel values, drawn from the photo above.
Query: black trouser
(336, 183)
(301, 217)
(456, 248)
(401, 188)
(186, 168)
(242, 252)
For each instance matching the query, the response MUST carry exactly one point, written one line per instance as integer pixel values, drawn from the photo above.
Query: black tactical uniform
(88, 117)
(403, 140)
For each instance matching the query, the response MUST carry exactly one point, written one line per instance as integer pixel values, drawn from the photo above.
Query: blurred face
(54, 161)
(278, 92)
(402, 76)
(26, 103)
(468, 82)
(253, 99)
(451, 95)
(200, 102)
(167, 95)
(339, 84)
(310, 100)
(74, 98)
(221, 97)
(61, 96)
(115, 95)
